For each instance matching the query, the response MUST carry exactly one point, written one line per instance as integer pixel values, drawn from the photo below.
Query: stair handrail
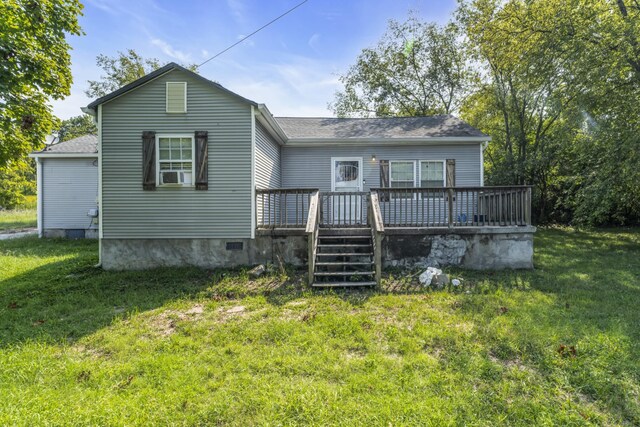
(377, 231)
(313, 225)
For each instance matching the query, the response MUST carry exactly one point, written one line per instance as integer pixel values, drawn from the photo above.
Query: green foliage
(18, 180)
(557, 89)
(122, 69)
(76, 126)
(416, 69)
(560, 100)
(34, 67)
(181, 346)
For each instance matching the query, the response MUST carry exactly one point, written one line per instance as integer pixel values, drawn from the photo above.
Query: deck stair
(344, 257)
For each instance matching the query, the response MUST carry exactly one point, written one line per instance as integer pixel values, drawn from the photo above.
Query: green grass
(81, 346)
(17, 219)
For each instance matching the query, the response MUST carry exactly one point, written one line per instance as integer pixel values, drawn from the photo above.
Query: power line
(259, 29)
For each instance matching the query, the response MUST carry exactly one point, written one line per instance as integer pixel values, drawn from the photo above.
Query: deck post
(450, 207)
(312, 234)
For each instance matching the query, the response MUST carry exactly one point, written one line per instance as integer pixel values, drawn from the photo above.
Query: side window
(432, 173)
(175, 160)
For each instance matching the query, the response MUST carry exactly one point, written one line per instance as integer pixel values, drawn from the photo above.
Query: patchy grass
(17, 219)
(556, 346)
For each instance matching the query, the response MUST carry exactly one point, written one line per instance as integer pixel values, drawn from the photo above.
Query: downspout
(483, 146)
(40, 208)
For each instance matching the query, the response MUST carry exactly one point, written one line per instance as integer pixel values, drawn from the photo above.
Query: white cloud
(238, 10)
(204, 53)
(168, 50)
(313, 41)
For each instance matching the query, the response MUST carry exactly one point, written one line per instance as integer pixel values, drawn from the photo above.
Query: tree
(122, 69)
(560, 99)
(34, 68)
(18, 179)
(416, 69)
(76, 126)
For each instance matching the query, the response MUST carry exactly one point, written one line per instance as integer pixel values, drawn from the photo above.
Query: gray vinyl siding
(267, 159)
(222, 211)
(69, 190)
(310, 167)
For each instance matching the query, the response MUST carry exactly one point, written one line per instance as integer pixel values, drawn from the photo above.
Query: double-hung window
(175, 160)
(402, 175)
(432, 176)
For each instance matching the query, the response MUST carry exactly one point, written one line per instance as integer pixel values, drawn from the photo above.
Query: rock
(236, 309)
(434, 276)
(441, 279)
(426, 278)
(257, 271)
(455, 282)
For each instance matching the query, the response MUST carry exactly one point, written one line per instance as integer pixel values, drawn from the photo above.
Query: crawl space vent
(234, 246)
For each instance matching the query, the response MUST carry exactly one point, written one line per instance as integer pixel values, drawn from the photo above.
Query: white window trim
(444, 171)
(193, 163)
(391, 162)
(166, 102)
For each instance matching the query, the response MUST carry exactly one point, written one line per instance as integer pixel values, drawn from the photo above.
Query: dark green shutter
(149, 160)
(202, 160)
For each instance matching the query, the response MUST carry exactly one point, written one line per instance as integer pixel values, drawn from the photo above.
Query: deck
(344, 218)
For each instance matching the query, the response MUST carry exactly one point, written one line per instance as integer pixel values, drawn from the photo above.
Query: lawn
(20, 218)
(556, 346)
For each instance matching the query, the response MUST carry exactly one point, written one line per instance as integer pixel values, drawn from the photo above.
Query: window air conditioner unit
(175, 177)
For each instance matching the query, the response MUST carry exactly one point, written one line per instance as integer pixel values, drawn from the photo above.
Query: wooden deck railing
(343, 209)
(313, 223)
(374, 218)
(398, 207)
(283, 207)
(455, 206)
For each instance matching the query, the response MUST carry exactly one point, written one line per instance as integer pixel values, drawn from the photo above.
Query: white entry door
(346, 177)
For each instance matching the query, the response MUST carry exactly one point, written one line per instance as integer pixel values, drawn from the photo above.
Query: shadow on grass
(64, 297)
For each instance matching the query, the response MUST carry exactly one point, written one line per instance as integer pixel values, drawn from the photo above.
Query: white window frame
(167, 97)
(193, 163)
(391, 162)
(444, 173)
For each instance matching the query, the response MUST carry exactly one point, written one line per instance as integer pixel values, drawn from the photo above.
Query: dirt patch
(166, 323)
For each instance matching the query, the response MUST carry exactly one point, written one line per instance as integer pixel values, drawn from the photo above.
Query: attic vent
(234, 246)
(176, 97)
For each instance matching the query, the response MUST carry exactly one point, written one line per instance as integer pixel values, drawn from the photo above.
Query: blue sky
(292, 65)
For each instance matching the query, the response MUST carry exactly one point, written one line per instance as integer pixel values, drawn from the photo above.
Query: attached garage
(68, 188)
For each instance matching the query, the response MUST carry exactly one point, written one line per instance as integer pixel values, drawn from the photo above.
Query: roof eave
(48, 154)
(267, 119)
(388, 141)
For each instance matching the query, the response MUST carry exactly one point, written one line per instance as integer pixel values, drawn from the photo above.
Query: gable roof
(82, 146)
(157, 73)
(429, 127)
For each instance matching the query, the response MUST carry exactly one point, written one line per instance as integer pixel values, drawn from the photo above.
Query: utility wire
(259, 29)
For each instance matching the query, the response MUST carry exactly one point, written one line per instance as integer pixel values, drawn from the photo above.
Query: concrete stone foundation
(140, 254)
(477, 248)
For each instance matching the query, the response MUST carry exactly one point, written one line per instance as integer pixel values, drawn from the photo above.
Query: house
(67, 181)
(190, 173)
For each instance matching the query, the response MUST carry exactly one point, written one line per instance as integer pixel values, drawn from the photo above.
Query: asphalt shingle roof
(387, 127)
(81, 144)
